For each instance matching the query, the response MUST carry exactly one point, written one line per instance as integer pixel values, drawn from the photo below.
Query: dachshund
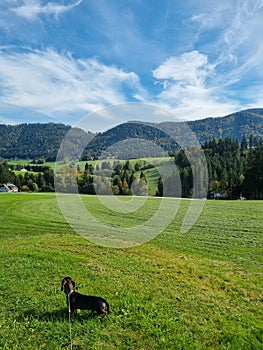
(76, 300)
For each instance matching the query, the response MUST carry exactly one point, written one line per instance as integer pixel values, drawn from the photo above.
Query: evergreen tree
(244, 144)
(253, 181)
(159, 191)
(5, 174)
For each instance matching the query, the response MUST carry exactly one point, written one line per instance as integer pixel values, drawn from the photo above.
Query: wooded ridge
(28, 141)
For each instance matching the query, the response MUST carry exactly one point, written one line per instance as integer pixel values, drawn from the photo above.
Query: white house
(8, 188)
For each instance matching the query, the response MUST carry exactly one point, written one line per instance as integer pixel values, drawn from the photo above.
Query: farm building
(8, 188)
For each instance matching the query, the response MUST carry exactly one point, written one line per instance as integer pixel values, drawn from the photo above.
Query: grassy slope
(200, 290)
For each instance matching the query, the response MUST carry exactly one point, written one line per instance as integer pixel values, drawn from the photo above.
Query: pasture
(198, 290)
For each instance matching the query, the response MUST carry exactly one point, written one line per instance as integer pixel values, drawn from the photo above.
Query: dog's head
(67, 285)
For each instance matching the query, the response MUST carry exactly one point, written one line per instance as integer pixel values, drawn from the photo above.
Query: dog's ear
(73, 283)
(62, 285)
(64, 281)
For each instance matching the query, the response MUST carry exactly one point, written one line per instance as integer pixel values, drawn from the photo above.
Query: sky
(65, 60)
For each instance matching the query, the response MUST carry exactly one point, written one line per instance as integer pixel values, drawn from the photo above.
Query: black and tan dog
(81, 301)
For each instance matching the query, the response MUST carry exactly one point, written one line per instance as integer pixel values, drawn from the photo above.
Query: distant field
(199, 290)
(152, 174)
(153, 161)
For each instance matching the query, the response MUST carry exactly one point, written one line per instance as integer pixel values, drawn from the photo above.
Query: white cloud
(49, 82)
(32, 9)
(189, 68)
(222, 74)
(188, 89)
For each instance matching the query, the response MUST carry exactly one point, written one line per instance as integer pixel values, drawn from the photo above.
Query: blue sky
(62, 60)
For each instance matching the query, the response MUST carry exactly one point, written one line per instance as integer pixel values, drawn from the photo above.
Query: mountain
(235, 125)
(28, 141)
(166, 134)
(152, 139)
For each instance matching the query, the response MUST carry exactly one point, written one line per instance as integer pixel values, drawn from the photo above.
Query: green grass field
(198, 290)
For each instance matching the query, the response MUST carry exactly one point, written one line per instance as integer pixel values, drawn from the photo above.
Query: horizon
(83, 127)
(62, 61)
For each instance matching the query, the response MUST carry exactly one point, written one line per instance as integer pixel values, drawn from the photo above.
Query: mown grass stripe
(200, 290)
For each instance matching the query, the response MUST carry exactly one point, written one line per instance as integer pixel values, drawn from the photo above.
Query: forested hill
(27, 141)
(43, 140)
(235, 126)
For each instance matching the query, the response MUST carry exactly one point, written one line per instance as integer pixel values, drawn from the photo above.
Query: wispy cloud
(230, 38)
(199, 59)
(232, 32)
(27, 21)
(32, 9)
(126, 30)
(51, 82)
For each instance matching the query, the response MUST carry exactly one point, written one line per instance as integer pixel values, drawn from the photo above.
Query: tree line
(109, 178)
(235, 170)
(41, 180)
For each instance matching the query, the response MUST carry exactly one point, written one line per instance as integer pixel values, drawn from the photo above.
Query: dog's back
(89, 302)
(83, 302)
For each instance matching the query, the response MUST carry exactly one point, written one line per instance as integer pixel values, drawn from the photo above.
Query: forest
(235, 171)
(28, 141)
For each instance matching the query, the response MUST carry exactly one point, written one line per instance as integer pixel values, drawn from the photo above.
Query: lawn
(197, 290)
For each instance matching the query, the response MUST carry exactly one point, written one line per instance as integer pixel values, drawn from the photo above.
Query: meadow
(197, 290)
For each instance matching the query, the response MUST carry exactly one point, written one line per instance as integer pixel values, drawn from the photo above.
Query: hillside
(43, 140)
(234, 126)
(27, 141)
